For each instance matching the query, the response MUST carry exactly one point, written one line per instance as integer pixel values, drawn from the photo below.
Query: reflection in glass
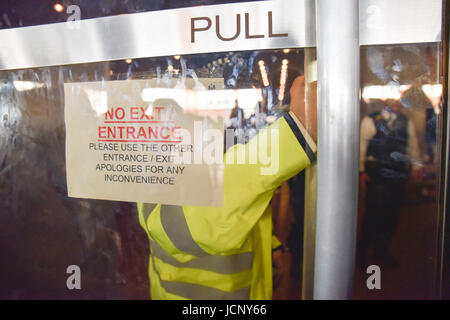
(399, 165)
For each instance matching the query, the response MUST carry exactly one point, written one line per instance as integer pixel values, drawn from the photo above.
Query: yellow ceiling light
(58, 7)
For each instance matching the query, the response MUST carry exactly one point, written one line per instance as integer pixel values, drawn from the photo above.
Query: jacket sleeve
(274, 155)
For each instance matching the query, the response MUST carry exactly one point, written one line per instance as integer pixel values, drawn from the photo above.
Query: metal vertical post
(338, 146)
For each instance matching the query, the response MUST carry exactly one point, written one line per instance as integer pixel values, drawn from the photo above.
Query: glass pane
(399, 169)
(43, 231)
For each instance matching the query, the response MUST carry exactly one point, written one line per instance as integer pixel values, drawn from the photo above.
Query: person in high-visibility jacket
(226, 252)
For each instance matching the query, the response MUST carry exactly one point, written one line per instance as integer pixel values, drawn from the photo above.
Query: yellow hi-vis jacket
(225, 253)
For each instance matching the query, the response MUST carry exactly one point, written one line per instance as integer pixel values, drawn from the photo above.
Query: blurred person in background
(389, 154)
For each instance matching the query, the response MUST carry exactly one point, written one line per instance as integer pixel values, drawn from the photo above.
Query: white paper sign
(131, 141)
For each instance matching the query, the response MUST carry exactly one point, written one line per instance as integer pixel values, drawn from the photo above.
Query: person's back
(225, 252)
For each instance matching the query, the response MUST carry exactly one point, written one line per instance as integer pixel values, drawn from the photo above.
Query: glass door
(168, 149)
(71, 189)
(399, 216)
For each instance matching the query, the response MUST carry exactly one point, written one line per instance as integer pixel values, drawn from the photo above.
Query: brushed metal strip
(152, 34)
(399, 21)
(168, 32)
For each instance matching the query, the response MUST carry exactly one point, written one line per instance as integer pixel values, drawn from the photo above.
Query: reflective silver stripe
(199, 292)
(147, 208)
(215, 263)
(176, 228)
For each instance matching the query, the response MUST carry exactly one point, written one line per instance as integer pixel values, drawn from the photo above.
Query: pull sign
(198, 25)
